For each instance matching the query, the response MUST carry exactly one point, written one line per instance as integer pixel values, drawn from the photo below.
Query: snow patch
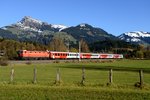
(82, 25)
(30, 19)
(59, 26)
(135, 40)
(137, 34)
(4, 28)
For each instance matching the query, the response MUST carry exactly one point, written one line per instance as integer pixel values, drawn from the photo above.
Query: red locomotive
(25, 54)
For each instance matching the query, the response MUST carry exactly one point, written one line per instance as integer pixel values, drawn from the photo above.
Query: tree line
(121, 47)
(10, 48)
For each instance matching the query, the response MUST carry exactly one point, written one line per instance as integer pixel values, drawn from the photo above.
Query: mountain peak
(28, 19)
(137, 34)
(84, 25)
(138, 37)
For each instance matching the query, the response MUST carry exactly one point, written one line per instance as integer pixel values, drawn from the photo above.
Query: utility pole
(79, 50)
(68, 45)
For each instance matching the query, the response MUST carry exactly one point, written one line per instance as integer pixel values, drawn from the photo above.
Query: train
(26, 54)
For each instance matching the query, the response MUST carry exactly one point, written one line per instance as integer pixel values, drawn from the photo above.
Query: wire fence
(82, 76)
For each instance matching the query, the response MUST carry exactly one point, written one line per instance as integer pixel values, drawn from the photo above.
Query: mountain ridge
(31, 29)
(136, 37)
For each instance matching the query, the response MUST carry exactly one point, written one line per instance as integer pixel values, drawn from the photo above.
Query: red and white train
(25, 54)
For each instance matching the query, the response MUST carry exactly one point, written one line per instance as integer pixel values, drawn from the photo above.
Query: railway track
(58, 61)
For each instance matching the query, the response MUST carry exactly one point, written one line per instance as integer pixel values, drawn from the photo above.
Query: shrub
(139, 54)
(56, 61)
(28, 63)
(3, 62)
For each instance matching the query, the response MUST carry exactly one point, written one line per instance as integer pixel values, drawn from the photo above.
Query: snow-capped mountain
(139, 37)
(30, 29)
(30, 24)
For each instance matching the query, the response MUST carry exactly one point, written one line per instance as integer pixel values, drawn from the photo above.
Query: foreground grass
(125, 75)
(36, 92)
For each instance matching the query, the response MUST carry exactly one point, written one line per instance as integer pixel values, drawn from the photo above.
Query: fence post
(34, 75)
(83, 77)
(12, 75)
(57, 76)
(110, 76)
(141, 78)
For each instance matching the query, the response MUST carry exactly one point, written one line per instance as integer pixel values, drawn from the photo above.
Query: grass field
(125, 75)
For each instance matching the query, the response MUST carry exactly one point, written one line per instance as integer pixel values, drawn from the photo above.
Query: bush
(147, 54)
(3, 62)
(139, 54)
(28, 63)
(56, 61)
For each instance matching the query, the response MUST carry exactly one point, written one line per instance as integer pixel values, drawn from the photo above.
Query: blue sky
(114, 16)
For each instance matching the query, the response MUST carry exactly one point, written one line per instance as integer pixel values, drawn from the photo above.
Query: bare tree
(57, 44)
(84, 46)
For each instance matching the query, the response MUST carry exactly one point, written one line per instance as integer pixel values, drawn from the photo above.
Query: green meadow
(125, 75)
